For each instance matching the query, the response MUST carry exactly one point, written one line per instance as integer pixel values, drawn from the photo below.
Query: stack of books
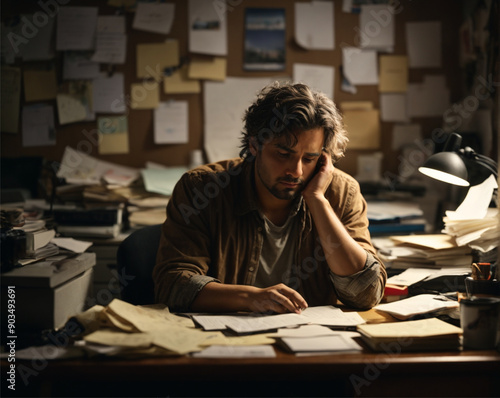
(104, 222)
(419, 335)
(387, 218)
(38, 240)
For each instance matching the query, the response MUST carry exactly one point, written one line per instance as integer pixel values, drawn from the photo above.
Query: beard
(276, 189)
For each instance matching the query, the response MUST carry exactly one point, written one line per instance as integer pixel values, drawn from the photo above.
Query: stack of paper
(474, 224)
(418, 305)
(435, 251)
(424, 334)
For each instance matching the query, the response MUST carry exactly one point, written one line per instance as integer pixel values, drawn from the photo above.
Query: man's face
(284, 171)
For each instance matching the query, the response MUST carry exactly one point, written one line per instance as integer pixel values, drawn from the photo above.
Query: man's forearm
(343, 254)
(218, 297)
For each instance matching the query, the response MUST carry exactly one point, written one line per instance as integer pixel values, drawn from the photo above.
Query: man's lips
(290, 184)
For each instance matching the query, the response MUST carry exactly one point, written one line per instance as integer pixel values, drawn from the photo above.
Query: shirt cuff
(353, 285)
(182, 298)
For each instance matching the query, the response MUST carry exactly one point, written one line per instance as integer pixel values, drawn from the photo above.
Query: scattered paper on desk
(410, 276)
(304, 331)
(360, 66)
(76, 246)
(154, 17)
(221, 351)
(162, 181)
(113, 134)
(331, 316)
(476, 203)
(179, 82)
(321, 344)
(11, 96)
(371, 15)
(308, 16)
(76, 27)
(224, 105)
(153, 58)
(40, 85)
(417, 305)
(318, 77)
(78, 65)
(108, 94)
(38, 125)
(207, 26)
(79, 168)
(171, 123)
(423, 41)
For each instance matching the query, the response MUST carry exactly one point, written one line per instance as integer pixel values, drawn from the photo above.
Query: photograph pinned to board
(265, 39)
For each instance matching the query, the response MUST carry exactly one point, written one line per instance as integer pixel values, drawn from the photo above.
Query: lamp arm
(482, 160)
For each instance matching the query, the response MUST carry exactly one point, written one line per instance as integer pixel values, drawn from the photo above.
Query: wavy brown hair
(286, 109)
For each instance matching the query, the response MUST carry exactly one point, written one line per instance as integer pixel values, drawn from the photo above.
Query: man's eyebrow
(290, 150)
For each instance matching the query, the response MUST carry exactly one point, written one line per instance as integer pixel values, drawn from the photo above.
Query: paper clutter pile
(474, 223)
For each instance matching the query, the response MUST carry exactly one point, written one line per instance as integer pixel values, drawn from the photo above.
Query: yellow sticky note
(363, 127)
(113, 134)
(153, 58)
(208, 68)
(40, 85)
(393, 74)
(145, 95)
(180, 82)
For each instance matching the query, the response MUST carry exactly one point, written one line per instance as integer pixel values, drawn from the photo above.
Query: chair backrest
(136, 258)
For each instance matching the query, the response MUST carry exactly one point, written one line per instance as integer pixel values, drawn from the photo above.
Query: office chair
(136, 258)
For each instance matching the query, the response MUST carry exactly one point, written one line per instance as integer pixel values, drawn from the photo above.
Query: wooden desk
(466, 373)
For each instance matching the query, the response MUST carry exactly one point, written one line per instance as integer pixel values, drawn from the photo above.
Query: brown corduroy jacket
(213, 233)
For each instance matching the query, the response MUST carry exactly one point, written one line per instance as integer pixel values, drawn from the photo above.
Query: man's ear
(253, 146)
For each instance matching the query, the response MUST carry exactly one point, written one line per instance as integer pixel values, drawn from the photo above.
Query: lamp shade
(447, 167)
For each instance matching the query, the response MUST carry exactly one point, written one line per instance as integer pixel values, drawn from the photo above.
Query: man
(278, 229)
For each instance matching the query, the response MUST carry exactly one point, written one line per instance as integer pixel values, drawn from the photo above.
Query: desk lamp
(459, 166)
(463, 167)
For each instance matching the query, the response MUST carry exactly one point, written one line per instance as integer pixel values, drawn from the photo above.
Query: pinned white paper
(207, 27)
(360, 66)
(377, 27)
(38, 125)
(308, 18)
(393, 108)
(224, 105)
(154, 17)
(76, 28)
(318, 77)
(108, 94)
(171, 123)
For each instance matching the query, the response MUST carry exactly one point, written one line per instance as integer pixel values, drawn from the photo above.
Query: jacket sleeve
(364, 289)
(183, 257)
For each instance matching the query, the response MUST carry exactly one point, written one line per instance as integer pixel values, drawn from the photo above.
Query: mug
(480, 321)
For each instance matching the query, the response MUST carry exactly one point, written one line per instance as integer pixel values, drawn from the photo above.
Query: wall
(142, 147)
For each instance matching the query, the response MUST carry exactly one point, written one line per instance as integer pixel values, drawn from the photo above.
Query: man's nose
(295, 168)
